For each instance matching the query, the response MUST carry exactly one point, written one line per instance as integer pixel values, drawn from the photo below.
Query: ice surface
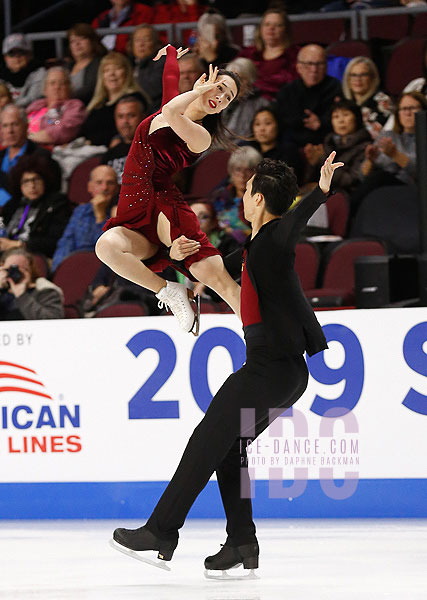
(300, 560)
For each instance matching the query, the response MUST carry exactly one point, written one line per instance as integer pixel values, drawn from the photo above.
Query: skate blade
(196, 324)
(160, 564)
(226, 577)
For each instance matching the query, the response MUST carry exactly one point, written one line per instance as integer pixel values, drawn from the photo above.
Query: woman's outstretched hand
(204, 85)
(327, 172)
(162, 52)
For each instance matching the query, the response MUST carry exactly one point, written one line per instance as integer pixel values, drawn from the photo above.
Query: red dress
(147, 187)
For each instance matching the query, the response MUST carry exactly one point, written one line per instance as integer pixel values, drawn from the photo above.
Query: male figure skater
(279, 326)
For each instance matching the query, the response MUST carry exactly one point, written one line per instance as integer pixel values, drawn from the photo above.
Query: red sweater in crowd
(139, 13)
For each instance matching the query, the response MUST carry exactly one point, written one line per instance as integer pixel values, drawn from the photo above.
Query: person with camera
(23, 294)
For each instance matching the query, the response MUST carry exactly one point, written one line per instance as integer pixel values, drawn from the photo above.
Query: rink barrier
(374, 498)
(95, 414)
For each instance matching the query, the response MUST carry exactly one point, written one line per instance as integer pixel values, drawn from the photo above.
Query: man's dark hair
(277, 182)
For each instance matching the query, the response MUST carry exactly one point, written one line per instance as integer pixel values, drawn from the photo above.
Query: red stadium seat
(388, 27)
(306, 264)
(207, 307)
(349, 48)
(75, 273)
(338, 281)
(338, 210)
(319, 32)
(419, 24)
(404, 65)
(209, 172)
(71, 312)
(123, 309)
(41, 264)
(77, 186)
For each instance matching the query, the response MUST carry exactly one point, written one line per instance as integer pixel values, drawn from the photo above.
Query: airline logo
(31, 421)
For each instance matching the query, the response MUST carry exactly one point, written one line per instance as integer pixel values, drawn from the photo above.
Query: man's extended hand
(327, 171)
(183, 247)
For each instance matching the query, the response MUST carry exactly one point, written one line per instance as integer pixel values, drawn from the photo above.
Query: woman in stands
(214, 44)
(273, 54)
(55, 119)
(392, 160)
(360, 83)
(86, 51)
(151, 211)
(349, 138)
(115, 80)
(228, 198)
(143, 47)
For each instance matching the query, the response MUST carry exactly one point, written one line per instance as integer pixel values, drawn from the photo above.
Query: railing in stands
(358, 21)
(59, 36)
(350, 15)
(365, 15)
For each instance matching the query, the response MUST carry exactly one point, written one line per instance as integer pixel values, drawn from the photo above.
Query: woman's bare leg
(122, 250)
(212, 272)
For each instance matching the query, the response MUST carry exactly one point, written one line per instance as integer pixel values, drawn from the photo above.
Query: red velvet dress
(147, 187)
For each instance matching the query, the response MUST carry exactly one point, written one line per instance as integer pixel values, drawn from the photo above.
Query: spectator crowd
(58, 116)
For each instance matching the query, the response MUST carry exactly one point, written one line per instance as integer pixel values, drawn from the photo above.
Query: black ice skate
(232, 557)
(134, 542)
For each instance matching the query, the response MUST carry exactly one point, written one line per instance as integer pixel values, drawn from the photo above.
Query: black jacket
(90, 74)
(294, 97)
(53, 214)
(289, 322)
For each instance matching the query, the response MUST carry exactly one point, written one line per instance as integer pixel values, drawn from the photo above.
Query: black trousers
(264, 382)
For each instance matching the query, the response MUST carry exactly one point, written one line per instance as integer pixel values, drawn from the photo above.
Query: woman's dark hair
(213, 123)
(34, 163)
(277, 182)
(273, 113)
(351, 106)
(86, 31)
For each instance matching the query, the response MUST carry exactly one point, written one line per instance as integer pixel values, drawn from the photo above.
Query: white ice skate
(224, 576)
(160, 564)
(175, 297)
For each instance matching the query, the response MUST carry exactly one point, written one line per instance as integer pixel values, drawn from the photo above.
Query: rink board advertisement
(95, 414)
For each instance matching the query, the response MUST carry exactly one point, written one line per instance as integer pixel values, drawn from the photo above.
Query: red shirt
(272, 74)
(249, 304)
(140, 13)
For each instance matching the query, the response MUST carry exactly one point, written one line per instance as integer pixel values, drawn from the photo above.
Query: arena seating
(338, 210)
(306, 264)
(122, 309)
(338, 281)
(75, 273)
(77, 186)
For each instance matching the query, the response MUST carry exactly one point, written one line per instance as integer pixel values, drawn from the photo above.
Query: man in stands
(304, 104)
(13, 127)
(190, 69)
(87, 221)
(128, 114)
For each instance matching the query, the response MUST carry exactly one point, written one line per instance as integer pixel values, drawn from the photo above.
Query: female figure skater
(152, 211)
